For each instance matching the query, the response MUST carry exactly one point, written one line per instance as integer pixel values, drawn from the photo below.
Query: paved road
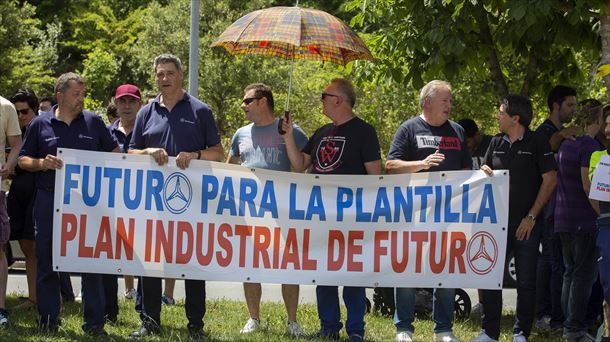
(234, 291)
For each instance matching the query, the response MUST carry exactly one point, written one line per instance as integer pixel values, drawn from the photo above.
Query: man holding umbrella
(348, 145)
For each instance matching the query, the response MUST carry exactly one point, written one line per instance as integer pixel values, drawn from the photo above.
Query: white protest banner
(600, 183)
(123, 214)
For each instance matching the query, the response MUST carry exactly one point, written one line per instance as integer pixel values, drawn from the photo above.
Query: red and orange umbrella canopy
(294, 33)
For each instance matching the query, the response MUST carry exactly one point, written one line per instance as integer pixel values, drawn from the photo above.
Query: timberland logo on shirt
(436, 142)
(188, 122)
(51, 139)
(82, 136)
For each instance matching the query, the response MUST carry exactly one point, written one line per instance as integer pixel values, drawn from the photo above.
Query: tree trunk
(531, 73)
(604, 32)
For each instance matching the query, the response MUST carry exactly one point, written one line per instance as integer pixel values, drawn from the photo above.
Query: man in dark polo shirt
(65, 126)
(528, 157)
(179, 125)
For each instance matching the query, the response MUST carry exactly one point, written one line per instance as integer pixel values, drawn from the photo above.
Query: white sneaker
(404, 336)
(130, 294)
(519, 337)
(251, 326)
(445, 337)
(294, 329)
(483, 337)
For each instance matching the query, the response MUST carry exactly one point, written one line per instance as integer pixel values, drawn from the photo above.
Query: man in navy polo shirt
(65, 126)
(174, 124)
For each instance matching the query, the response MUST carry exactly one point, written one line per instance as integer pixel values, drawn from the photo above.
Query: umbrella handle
(279, 123)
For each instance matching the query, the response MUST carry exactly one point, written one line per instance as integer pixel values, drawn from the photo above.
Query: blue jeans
(550, 277)
(330, 314)
(603, 245)
(443, 307)
(579, 256)
(526, 256)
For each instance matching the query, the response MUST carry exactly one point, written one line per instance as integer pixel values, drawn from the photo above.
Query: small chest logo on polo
(51, 139)
(436, 142)
(329, 153)
(183, 120)
(524, 152)
(177, 193)
(82, 136)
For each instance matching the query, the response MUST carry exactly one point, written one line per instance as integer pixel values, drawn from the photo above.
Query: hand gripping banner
(124, 214)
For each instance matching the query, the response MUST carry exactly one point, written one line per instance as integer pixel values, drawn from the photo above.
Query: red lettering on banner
(124, 239)
(456, 254)
(260, 247)
(148, 248)
(419, 238)
(291, 250)
(69, 225)
(438, 267)
(184, 229)
(379, 250)
(308, 264)
(399, 266)
(104, 239)
(277, 235)
(164, 243)
(84, 251)
(335, 236)
(205, 259)
(354, 249)
(243, 232)
(224, 231)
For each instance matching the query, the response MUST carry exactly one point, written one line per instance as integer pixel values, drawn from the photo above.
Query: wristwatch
(531, 217)
(198, 154)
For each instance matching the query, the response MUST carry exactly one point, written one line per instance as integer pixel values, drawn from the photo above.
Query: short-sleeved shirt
(120, 137)
(415, 140)
(263, 147)
(343, 149)
(548, 128)
(478, 156)
(573, 211)
(45, 134)
(604, 207)
(9, 125)
(189, 127)
(527, 159)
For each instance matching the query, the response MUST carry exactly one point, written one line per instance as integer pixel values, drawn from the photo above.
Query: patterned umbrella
(294, 32)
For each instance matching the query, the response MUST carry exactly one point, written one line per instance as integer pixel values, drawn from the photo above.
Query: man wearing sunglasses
(259, 145)
(12, 133)
(346, 146)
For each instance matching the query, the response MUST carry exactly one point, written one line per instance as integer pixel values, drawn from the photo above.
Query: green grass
(223, 320)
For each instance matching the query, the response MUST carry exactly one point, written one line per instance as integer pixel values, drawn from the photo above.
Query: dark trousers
(111, 287)
(65, 287)
(150, 304)
(526, 255)
(603, 245)
(580, 256)
(550, 277)
(329, 310)
(48, 282)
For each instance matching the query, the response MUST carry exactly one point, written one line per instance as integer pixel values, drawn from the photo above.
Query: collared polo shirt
(189, 127)
(527, 159)
(120, 137)
(46, 133)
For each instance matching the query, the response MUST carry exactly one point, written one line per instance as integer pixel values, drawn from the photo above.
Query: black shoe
(197, 334)
(355, 338)
(95, 331)
(111, 319)
(333, 336)
(143, 332)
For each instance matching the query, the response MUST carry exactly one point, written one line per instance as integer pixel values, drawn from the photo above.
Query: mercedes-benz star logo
(482, 253)
(177, 193)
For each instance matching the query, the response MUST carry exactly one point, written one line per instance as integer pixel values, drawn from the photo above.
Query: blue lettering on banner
(345, 198)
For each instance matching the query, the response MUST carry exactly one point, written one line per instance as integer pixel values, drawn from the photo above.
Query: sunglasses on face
(250, 99)
(24, 111)
(325, 95)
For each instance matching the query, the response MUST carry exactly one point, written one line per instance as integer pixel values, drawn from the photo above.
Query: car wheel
(510, 272)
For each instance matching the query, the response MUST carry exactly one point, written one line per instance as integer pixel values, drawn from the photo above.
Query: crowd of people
(550, 170)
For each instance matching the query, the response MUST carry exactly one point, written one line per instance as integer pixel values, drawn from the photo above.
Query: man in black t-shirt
(428, 142)
(476, 141)
(348, 145)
